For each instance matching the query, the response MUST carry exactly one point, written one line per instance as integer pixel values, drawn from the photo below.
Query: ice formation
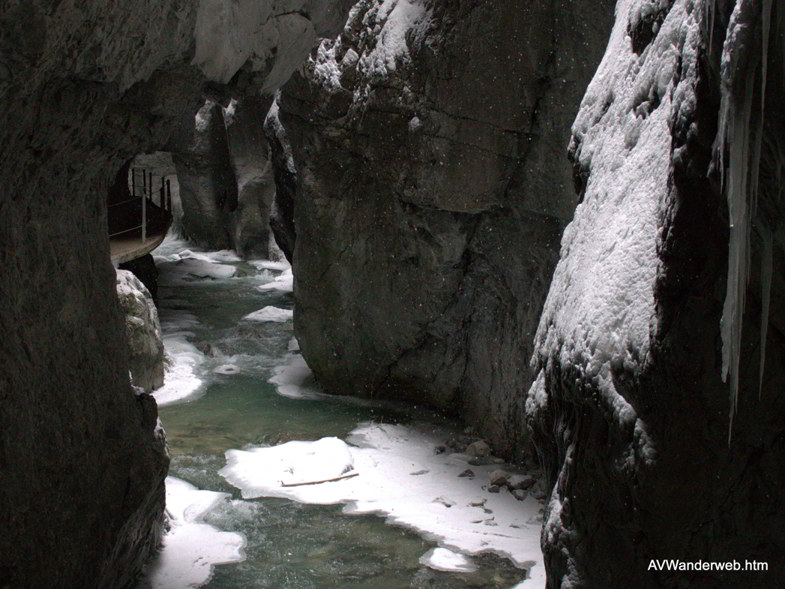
(741, 134)
(399, 476)
(191, 548)
(270, 313)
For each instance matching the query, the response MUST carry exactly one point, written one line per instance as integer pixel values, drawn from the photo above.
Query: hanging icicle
(740, 173)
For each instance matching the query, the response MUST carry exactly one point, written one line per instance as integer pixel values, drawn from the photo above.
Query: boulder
(143, 332)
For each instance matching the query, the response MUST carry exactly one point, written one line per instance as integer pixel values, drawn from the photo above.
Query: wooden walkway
(137, 224)
(125, 249)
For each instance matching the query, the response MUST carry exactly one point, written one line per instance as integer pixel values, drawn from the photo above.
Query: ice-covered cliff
(678, 148)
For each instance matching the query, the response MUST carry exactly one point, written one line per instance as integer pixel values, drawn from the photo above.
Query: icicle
(738, 247)
(766, 271)
(743, 166)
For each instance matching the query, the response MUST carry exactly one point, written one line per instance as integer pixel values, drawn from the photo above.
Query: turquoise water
(288, 545)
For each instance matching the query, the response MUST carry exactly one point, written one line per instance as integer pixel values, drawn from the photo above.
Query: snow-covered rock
(143, 332)
(191, 548)
(629, 407)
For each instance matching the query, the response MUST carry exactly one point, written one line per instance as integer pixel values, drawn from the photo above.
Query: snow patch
(191, 548)
(400, 18)
(400, 477)
(444, 559)
(187, 266)
(269, 313)
(294, 379)
(284, 282)
(182, 360)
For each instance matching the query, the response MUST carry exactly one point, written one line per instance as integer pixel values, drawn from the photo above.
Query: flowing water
(288, 545)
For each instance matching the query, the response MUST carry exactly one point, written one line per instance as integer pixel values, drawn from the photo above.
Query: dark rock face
(432, 186)
(144, 269)
(208, 187)
(85, 87)
(252, 168)
(226, 178)
(629, 407)
(285, 176)
(222, 157)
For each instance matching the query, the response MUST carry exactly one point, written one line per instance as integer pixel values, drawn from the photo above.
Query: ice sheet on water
(180, 380)
(270, 313)
(284, 282)
(400, 477)
(444, 559)
(295, 379)
(191, 548)
(270, 265)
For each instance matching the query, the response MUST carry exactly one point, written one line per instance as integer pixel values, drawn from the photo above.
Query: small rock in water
(440, 449)
(419, 472)
(494, 489)
(480, 449)
(204, 348)
(478, 503)
(498, 460)
(498, 478)
(467, 473)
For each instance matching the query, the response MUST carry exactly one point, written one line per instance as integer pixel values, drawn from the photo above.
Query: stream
(236, 383)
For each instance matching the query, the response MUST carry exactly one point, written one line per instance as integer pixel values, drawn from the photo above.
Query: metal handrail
(147, 193)
(122, 202)
(116, 233)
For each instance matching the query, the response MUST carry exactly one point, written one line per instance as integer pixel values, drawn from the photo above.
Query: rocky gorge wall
(429, 142)
(679, 147)
(85, 87)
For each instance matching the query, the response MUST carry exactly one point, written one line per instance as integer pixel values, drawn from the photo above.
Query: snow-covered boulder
(143, 332)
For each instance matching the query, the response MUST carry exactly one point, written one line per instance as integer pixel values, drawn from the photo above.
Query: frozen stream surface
(244, 419)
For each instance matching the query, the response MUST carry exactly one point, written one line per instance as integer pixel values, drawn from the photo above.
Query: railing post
(144, 216)
(133, 182)
(162, 194)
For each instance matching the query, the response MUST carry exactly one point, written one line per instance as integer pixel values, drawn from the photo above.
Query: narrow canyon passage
(236, 381)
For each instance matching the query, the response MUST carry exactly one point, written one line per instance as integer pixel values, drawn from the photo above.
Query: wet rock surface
(432, 189)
